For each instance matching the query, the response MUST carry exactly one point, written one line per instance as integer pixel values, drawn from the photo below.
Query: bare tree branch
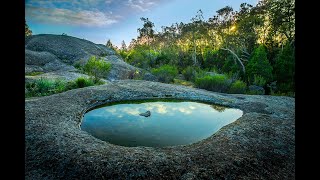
(234, 54)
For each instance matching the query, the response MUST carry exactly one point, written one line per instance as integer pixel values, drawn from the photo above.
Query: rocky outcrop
(43, 62)
(149, 77)
(63, 75)
(259, 145)
(120, 69)
(52, 53)
(68, 49)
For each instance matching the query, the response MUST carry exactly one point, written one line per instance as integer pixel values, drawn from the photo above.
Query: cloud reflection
(168, 108)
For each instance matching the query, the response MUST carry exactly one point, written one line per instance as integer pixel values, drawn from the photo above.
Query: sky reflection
(170, 123)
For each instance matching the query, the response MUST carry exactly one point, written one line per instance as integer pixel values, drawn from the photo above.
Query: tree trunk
(234, 54)
(194, 51)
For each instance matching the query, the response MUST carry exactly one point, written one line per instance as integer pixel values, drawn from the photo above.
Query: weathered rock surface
(149, 77)
(259, 145)
(68, 49)
(43, 62)
(119, 68)
(63, 75)
(50, 53)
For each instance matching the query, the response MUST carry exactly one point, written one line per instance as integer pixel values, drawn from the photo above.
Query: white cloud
(66, 16)
(159, 108)
(131, 110)
(112, 110)
(141, 5)
(91, 13)
(185, 110)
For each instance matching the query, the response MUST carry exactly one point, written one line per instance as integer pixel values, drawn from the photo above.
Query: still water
(170, 123)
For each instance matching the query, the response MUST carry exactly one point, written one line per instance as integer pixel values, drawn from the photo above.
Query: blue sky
(100, 20)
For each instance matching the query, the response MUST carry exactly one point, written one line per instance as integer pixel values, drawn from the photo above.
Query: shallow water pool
(170, 122)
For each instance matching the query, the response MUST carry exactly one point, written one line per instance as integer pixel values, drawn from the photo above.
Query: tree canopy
(253, 41)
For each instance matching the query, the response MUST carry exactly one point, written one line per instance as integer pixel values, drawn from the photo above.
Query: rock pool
(170, 123)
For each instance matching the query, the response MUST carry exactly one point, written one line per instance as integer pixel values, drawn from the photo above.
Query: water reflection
(218, 108)
(170, 123)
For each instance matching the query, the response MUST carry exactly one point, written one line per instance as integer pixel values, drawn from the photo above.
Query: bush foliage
(45, 87)
(189, 73)
(238, 87)
(165, 73)
(217, 83)
(97, 67)
(259, 65)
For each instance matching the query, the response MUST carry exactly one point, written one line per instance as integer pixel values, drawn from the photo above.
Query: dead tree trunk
(194, 50)
(234, 54)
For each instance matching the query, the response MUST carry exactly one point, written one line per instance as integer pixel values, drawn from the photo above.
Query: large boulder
(49, 53)
(38, 58)
(149, 77)
(43, 62)
(66, 48)
(119, 68)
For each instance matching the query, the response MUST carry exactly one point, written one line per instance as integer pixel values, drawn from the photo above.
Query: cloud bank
(90, 13)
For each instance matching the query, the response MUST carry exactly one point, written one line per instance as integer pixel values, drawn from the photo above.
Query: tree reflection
(218, 108)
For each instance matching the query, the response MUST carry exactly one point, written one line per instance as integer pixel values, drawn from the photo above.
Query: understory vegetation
(45, 87)
(35, 73)
(229, 52)
(165, 73)
(96, 68)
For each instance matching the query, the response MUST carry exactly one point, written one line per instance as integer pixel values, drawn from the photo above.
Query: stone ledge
(259, 145)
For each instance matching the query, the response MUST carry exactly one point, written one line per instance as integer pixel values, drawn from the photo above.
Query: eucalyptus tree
(27, 31)
(195, 27)
(123, 46)
(279, 20)
(146, 33)
(109, 44)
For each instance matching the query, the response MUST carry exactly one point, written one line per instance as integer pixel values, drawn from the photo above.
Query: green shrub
(45, 87)
(201, 73)
(284, 69)
(84, 82)
(59, 86)
(100, 82)
(259, 65)
(78, 65)
(98, 68)
(35, 73)
(189, 73)
(71, 85)
(165, 73)
(218, 82)
(259, 80)
(209, 57)
(238, 87)
(123, 54)
(165, 56)
(139, 57)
